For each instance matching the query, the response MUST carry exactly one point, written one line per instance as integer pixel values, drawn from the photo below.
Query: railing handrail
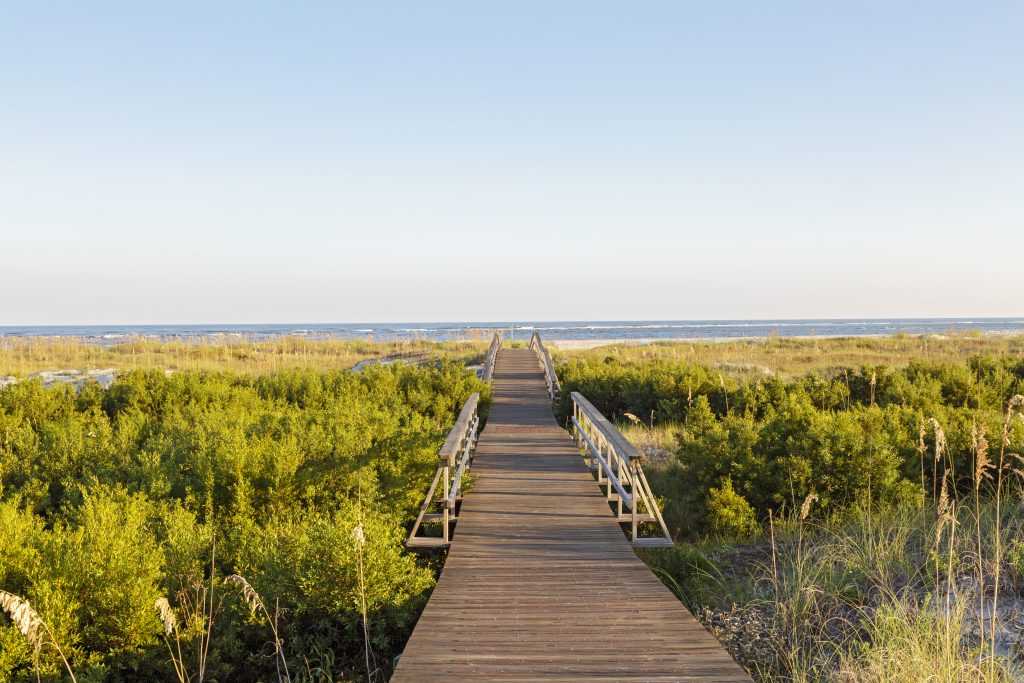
(459, 446)
(627, 451)
(544, 358)
(618, 466)
(492, 355)
(457, 434)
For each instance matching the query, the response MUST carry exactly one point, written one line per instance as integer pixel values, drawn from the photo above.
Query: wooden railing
(492, 355)
(456, 456)
(618, 468)
(544, 358)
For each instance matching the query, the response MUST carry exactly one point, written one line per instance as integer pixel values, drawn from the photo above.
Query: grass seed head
(249, 594)
(940, 439)
(1014, 406)
(982, 464)
(167, 617)
(805, 509)
(25, 619)
(940, 525)
(944, 497)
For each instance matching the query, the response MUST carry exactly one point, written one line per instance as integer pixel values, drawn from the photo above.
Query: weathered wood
(455, 492)
(544, 359)
(453, 443)
(462, 437)
(608, 472)
(621, 444)
(540, 582)
(426, 542)
(492, 353)
(618, 464)
(426, 506)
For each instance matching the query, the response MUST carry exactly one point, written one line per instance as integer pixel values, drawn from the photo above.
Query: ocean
(645, 330)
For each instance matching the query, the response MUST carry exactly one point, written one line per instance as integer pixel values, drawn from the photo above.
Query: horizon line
(508, 323)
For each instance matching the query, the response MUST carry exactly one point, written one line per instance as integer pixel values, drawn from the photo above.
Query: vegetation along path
(540, 582)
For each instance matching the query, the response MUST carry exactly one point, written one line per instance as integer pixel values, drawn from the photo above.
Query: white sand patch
(102, 376)
(577, 344)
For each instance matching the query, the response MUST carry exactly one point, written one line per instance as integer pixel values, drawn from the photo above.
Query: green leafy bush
(729, 514)
(850, 434)
(111, 499)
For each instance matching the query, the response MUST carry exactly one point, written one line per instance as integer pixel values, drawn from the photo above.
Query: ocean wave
(555, 330)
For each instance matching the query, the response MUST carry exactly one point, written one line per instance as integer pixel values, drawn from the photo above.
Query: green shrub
(849, 434)
(729, 514)
(111, 499)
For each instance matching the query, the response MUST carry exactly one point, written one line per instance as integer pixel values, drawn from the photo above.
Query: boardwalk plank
(540, 582)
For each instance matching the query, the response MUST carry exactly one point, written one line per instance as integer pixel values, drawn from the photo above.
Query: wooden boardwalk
(540, 582)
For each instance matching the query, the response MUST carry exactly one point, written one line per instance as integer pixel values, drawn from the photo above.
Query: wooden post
(632, 476)
(608, 455)
(446, 469)
(457, 493)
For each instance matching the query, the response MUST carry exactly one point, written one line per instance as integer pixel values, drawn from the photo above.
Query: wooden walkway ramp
(540, 582)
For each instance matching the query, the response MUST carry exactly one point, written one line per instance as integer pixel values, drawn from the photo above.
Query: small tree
(729, 513)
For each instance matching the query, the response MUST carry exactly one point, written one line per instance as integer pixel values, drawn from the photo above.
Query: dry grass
(887, 594)
(24, 617)
(22, 356)
(793, 356)
(257, 608)
(657, 442)
(167, 617)
(32, 627)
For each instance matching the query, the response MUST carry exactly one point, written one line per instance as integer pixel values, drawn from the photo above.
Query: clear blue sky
(342, 162)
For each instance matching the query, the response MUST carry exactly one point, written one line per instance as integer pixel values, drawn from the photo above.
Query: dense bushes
(111, 499)
(848, 435)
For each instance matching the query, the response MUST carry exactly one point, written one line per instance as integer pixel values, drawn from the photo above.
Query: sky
(383, 161)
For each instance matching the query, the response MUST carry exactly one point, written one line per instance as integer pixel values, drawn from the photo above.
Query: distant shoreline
(561, 334)
(77, 361)
(583, 344)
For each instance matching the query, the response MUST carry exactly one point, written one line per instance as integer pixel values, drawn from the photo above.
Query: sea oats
(167, 617)
(982, 463)
(249, 594)
(940, 439)
(805, 509)
(32, 627)
(940, 525)
(24, 617)
(1014, 405)
(944, 498)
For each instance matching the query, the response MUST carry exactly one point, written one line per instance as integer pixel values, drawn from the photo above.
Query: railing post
(447, 467)
(618, 510)
(633, 489)
(618, 466)
(492, 355)
(608, 454)
(576, 430)
(454, 458)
